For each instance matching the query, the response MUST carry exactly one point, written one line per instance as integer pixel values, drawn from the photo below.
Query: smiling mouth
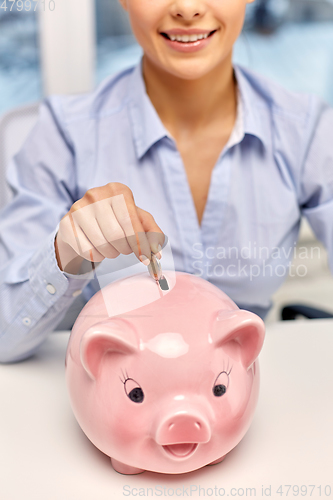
(181, 450)
(187, 38)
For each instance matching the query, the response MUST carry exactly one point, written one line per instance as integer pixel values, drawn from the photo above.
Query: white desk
(44, 455)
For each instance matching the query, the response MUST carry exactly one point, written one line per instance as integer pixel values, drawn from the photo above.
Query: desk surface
(44, 455)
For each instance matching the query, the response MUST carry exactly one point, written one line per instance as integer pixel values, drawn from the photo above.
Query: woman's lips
(188, 46)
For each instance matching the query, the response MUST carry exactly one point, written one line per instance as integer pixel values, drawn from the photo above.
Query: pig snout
(181, 433)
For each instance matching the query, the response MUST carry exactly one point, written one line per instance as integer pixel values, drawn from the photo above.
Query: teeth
(187, 38)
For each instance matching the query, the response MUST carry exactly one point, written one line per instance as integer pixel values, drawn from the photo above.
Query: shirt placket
(181, 200)
(214, 211)
(217, 199)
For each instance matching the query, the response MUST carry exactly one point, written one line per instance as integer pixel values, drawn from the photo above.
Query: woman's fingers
(101, 227)
(126, 213)
(105, 222)
(74, 236)
(154, 234)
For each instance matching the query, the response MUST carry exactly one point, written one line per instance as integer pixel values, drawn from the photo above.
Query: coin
(154, 268)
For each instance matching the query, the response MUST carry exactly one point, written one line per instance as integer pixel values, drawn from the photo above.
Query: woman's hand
(103, 224)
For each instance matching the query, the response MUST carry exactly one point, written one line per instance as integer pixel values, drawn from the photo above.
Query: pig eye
(133, 391)
(219, 390)
(221, 384)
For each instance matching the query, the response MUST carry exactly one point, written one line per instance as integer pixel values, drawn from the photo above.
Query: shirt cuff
(48, 281)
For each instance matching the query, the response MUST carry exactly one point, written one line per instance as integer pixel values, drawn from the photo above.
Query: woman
(214, 156)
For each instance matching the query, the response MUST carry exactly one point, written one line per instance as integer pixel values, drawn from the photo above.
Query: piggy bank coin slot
(163, 284)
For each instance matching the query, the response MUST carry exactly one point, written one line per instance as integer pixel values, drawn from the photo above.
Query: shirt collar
(149, 129)
(252, 107)
(147, 125)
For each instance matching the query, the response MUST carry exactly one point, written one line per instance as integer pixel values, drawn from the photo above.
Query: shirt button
(26, 321)
(77, 293)
(50, 288)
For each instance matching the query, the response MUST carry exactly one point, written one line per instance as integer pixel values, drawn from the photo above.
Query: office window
(116, 46)
(291, 42)
(20, 76)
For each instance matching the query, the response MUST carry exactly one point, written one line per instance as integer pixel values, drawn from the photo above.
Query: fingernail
(159, 252)
(144, 260)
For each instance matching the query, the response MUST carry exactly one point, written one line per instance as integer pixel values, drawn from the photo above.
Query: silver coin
(154, 268)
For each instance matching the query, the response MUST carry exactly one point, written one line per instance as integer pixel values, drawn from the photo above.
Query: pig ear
(240, 333)
(115, 335)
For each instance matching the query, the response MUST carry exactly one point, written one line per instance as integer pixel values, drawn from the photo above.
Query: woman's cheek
(146, 16)
(231, 15)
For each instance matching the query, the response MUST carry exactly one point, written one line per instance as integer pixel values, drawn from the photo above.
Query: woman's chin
(188, 70)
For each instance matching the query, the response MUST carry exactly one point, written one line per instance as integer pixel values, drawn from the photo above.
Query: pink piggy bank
(164, 380)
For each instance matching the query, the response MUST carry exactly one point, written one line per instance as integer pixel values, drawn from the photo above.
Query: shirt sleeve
(34, 293)
(316, 182)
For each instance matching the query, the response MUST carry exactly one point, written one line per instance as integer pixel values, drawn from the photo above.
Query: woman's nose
(188, 9)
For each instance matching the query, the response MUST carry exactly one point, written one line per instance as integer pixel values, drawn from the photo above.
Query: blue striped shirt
(276, 166)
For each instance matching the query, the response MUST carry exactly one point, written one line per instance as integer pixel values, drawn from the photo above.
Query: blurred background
(70, 46)
(290, 41)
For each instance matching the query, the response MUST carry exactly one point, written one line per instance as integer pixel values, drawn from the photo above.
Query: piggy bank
(164, 380)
